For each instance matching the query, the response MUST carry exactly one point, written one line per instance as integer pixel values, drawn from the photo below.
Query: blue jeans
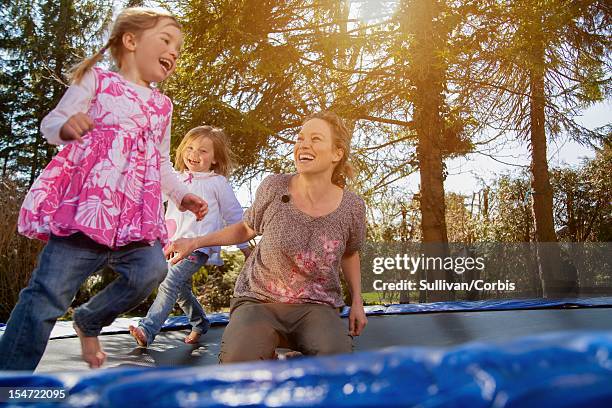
(176, 288)
(63, 265)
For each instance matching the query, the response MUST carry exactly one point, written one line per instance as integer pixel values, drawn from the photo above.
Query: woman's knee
(331, 345)
(323, 332)
(248, 342)
(241, 350)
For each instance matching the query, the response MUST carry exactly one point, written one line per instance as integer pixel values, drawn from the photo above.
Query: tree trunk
(428, 76)
(34, 165)
(404, 297)
(549, 256)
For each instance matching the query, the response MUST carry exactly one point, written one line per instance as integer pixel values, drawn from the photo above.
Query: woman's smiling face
(314, 151)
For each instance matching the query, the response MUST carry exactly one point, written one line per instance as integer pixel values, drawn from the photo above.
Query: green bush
(216, 291)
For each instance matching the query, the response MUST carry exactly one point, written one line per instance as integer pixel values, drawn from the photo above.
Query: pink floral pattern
(298, 258)
(171, 227)
(109, 186)
(308, 278)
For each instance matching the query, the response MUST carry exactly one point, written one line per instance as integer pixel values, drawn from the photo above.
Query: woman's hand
(357, 318)
(195, 204)
(75, 127)
(180, 249)
(352, 275)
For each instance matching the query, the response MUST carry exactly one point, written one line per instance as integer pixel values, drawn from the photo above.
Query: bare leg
(91, 349)
(193, 338)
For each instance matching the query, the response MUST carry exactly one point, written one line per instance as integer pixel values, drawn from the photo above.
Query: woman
(289, 290)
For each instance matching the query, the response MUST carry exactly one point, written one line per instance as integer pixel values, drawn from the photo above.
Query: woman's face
(314, 151)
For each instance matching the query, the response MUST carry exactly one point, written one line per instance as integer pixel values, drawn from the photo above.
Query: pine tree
(541, 63)
(40, 41)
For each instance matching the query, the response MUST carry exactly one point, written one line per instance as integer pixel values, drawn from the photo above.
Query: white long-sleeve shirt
(223, 210)
(78, 98)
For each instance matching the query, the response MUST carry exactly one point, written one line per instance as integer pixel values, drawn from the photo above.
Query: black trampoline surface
(424, 329)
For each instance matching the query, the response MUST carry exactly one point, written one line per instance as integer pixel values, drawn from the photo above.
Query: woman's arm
(230, 235)
(351, 268)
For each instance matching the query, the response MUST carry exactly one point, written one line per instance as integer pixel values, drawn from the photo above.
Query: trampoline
(494, 353)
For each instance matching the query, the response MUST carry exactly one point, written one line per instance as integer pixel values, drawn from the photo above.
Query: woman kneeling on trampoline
(289, 291)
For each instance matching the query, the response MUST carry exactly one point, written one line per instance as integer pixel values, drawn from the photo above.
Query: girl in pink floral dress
(98, 202)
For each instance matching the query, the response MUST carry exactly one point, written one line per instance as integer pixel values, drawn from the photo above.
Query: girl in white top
(204, 159)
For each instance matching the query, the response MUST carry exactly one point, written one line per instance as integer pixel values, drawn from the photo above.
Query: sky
(466, 174)
(471, 173)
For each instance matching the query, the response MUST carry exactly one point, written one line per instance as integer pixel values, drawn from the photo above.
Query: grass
(381, 298)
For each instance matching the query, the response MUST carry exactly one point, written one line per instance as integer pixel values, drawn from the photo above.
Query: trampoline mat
(425, 329)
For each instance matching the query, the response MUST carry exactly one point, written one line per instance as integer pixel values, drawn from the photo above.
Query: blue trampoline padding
(455, 306)
(561, 369)
(64, 329)
(485, 305)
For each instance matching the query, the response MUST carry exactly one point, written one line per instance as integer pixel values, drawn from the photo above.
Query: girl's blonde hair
(221, 151)
(341, 140)
(130, 20)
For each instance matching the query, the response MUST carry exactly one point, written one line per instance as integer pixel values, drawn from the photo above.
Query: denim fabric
(177, 288)
(63, 265)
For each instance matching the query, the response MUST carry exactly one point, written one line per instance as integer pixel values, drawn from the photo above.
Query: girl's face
(156, 50)
(314, 151)
(199, 154)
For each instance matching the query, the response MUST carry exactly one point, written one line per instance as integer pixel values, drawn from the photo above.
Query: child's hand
(75, 127)
(194, 204)
(179, 249)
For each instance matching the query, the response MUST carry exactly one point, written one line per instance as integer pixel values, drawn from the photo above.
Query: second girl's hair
(222, 152)
(342, 140)
(130, 20)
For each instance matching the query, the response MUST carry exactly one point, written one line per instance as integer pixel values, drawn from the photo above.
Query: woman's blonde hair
(221, 151)
(341, 140)
(130, 20)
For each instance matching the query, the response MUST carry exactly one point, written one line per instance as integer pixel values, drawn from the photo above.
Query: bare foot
(286, 356)
(193, 338)
(293, 354)
(138, 335)
(91, 350)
